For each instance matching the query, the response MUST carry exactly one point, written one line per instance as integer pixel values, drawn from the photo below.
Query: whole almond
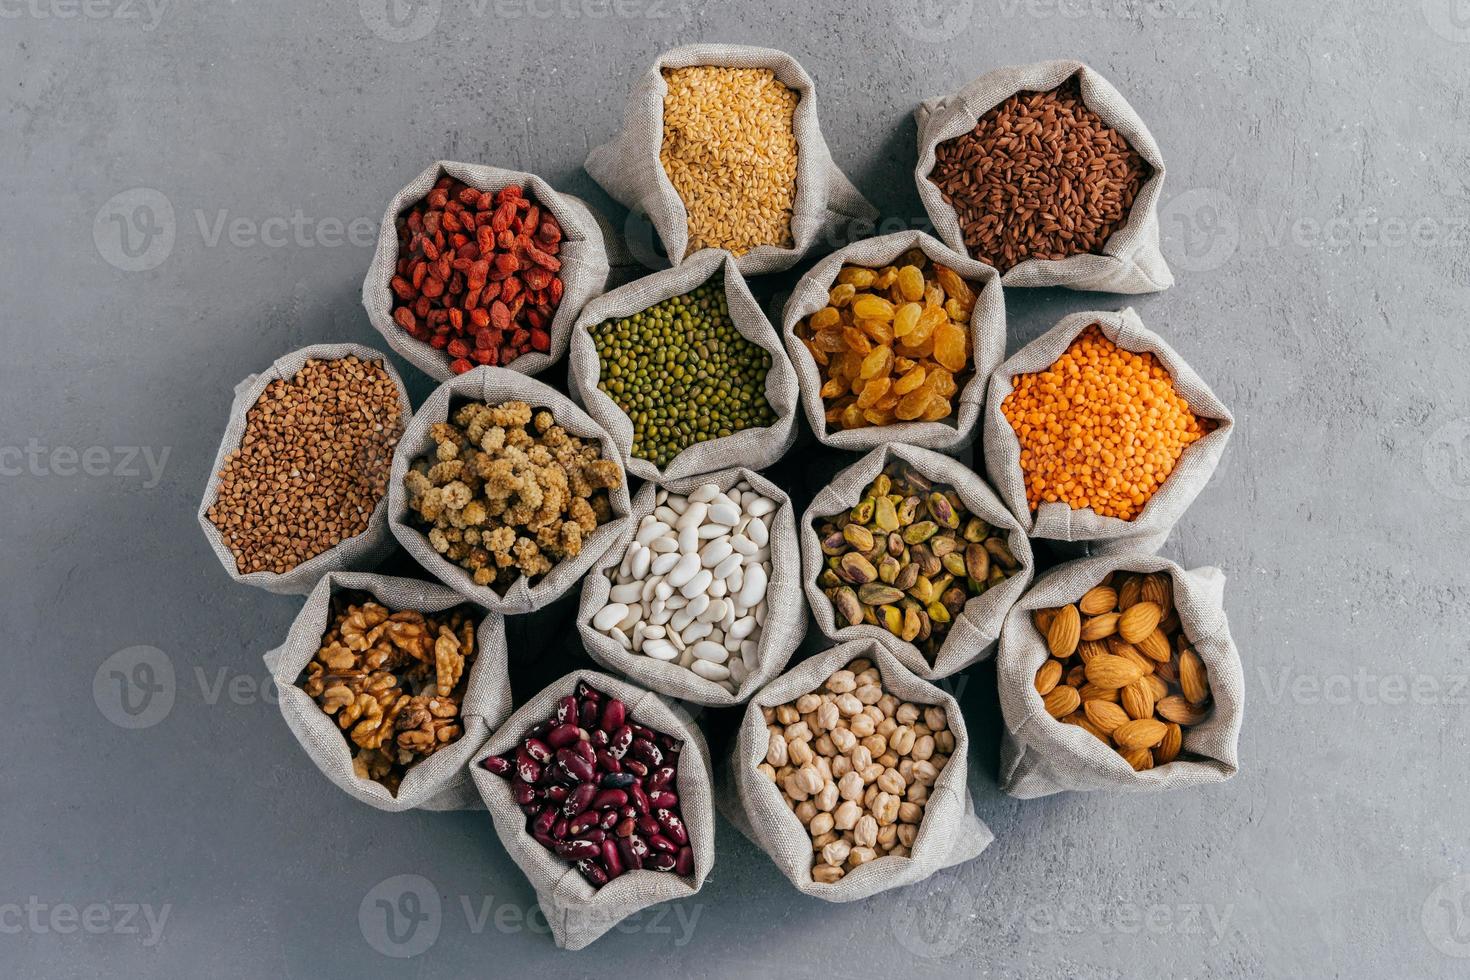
(1081, 722)
(1041, 619)
(1140, 733)
(1155, 646)
(1088, 649)
(1176, 709)
(1099, 627)
(1168, 749)
(1138, 699)
(1192, 679)
(1064, 632)
(1156, 686)
(1105, 715)
(1091, 692)
(1132, 655)
(1140, 759)
(1139, 620)
(1158, 589)
(1130, 590)
(1169, 671)
(1048, 676)
(1108, 671)
(1061, 701)
(1075, 676)
(1099, 599)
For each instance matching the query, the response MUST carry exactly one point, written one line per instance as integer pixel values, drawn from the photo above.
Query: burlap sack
(987, 340)
(973, 633)
(1041, 756)
(493, 386)
(1131, 261)
(1147, 531)
(950, 834)
(781, 634)
(628, 168)
(578, 913)
(752, 448)
(439, 782)
(363, 551)
(583, 255)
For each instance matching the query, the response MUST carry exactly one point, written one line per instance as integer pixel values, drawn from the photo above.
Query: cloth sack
(751, 448)
(628, 168)
(363, 551)
(577, 912)
(1132, 261)
(583, 255)
(987, 342)
(781, 634)
(973, 633)
(1056, 520)
(439, 782)
(1041, 756)
(950, 834)
(493, 386)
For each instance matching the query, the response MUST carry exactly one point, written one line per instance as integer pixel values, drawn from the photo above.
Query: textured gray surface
(1316, 217)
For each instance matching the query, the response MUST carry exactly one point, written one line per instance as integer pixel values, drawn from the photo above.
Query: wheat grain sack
(1057, 520)
(438, 782)
(1041, 755)
(987, 343)
(360, 552)
(949, 833)
(1131, 260)
(577, 912)
(583, 256)
(784, 617)
(826, 207)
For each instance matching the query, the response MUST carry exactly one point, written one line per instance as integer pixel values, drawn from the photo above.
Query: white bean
(728, 565)
(650, 531)
(713, 652)
(660, 649)
(698, 605)
(684, 571)
(664, 562)
(667, 515)
(704, 493)
(744, 545)
(743, 627)
(677, 503)
(700, 583)
(758, 533)
(697, 631)
(689, 539)
(609, 616)
(693, 515)
(627, 592)
(635, 613)
(622, 638)
(710, 671)
(725, 513)
(718, 589)
(759, 507)
(715, 553)
(664, 545)
(714, 610)
(753, 590)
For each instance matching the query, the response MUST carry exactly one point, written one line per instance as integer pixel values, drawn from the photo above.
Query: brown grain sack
(311, 466)
(1040, 176)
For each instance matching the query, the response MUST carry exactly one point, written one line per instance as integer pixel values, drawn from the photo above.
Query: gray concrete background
(1317, 221)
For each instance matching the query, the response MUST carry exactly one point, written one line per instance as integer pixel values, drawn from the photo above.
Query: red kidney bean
(608, 798)
(526, 767)
(672, 825)
(530, 810)
(618, 742)
(613, 714)
(587, 714)
(661, 843)
(596, 835)
(611, 859)
(598, 739)
(582, 822)
(639, 847)
(544, 820)
(684, 862)
(625, 827)
(545, 840)
(563, 735)
(538, 750)
(660, 779)
(585, 750)
(637, 768)
(557, 792)
(574, 849)
(631, 861)
(618, 780)
(580, 799)
(609, 819)
(607, 763)
(522, 792)
(648, 823)
(566, 710)
(639, 798)
(663, 861)
(587, 692)
(497, 764)
(663, 799)
(593, 872)
(645, 751)
(578, 768)
(561, 828)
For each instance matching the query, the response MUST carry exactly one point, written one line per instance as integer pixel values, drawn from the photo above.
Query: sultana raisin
(869, 306)
(949, 346)
(906, 318)
(909, 381)
(911, 282)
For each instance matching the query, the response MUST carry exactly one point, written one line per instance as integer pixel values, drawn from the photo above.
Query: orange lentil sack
(1103, 428)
